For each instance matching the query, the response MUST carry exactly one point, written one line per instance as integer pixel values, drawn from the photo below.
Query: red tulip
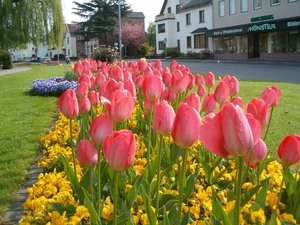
(209, 80)
(258, 153)
(199, 80)
(101, 127)
(289, 149)
(82, 89)
(87, 153)
(259, 109)
(152, 87)
(191, 81)
(179, 81)
(167, 78)
(163, 118)
(157, 64)
(201, 90)
(84, 105)
(119, 150)
(173, 65)
(193, 100)
(169, 95)
(100, 79)
(68, 104)
(78, 68)
(186, 126)
(117, 73)
(142, 65)
(85, 78)
(237, 101)
(209, 103)
(86, 65)
(229, 133)
(221, 93)
(130, 86)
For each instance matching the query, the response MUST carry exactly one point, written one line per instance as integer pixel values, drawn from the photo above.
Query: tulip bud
(163, 118)
(289, 149)
(101, 127)
(68, 104)
(87, 153)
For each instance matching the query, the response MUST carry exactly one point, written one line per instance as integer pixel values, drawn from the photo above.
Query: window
(275, 2)
(257, 4)
(231, 7)
(199, 41)
(201, 16)
(178, 43)
(188, 19)
(189, 42)
(161, 28)
(177, 7)
(161, 45)
(169, 10)
(221, 8)
(68, 40)
(293, 0)
(244, 5)
(178, 26)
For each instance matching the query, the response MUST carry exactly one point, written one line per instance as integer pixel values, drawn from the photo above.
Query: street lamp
(120, 34)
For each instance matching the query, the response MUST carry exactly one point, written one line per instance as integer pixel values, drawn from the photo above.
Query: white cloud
(149, 8)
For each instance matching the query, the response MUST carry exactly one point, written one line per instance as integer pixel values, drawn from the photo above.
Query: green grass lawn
(24, 119)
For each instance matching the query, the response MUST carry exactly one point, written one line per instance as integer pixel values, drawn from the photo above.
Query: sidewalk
(15, 69)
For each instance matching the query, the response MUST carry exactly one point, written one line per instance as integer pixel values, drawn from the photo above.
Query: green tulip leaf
(230, 195)
(165, 216)
(272, 220)
(122, 219)
(168, 205)
(89, 205)
(69, 209)
(246, 196)
(217, 209)
(70, 173)
(285, 222)
(190, 184)
(185, 219)
(175, 152)
(85, 181)
(172, 215)
(289, 179)
(131, 196)
(148, 209)
(215, 221)
(262, 194)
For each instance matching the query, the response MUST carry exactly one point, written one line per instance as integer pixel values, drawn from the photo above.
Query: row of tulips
(195, 133)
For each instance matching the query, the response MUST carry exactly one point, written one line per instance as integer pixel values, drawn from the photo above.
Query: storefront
(268, 40)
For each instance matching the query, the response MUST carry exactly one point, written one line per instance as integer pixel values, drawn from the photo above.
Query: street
(288, 72)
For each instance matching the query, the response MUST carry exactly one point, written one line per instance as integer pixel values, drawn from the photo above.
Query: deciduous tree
(133, 35)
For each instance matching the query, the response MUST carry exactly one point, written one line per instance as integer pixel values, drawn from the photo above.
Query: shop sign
(263, 27)
(228, 31)
(261, 18)
(293, 24)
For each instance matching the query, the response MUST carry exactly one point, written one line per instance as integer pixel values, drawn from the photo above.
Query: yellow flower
(288, 217)
(195, 210)
(229, 207)
(258, 216)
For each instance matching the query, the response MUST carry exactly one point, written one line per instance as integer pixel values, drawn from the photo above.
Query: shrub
(70, 75)
(171, 52)
(106, 54)
(5, 60)
(192, 54)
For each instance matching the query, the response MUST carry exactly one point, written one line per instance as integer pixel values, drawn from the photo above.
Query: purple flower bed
(53, 86)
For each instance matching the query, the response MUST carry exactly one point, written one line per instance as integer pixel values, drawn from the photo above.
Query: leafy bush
(5, 60)
(171, 52)
(106, 54)
(70, 75)
(192, 54)
(53, 86)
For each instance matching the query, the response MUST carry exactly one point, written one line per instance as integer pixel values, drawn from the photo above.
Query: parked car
(45, 59)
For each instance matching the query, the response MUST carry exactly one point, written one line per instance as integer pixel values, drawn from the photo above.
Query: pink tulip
(163, 118)
(179, 82)
(229, 133)
(100, 79)
(191, 81)
(149, 106)
(85, 78)
(193, 100)
(87, 153)
(82, 89)
(259, 109)
(221, 93)
(109, 87)
(86, 65)
(233, 84)
(201, 90)
(167, 78)
(94, 98)
(186, 126)
(139, 81)
(209, 103)
(152, 87)
(258, 153)
(173, 65)
(289, 149)
(68, 104)
(157, 64)
(101, 127)
(142, 65)
(117, 73)
(199, 80)
(209, 80)
(130, 86)
(84, 105)
(93, 66)
(237, 101)
(121, 105)
(78, 68)
(119, 150)
(271, 95)
(169, 95)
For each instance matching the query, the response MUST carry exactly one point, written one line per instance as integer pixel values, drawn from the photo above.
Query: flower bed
(123, 130)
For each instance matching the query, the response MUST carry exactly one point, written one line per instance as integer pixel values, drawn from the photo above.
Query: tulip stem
(268, 124)
(160, 152)
(99, 182)
(149, 143)
(92, 186)
(181, 184)
(73, 153)
(115, 197)
(238, 189)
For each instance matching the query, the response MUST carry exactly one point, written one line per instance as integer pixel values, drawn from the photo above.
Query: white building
(182, 23)
(31, 51)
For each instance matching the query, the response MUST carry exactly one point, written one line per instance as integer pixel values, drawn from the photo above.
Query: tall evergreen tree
(151, 34)
(35, 21)
(100, 18)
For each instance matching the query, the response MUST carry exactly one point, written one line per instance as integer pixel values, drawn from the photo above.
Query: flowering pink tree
(133, 35)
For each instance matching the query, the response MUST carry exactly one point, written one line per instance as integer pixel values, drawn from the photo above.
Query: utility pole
(120, 34)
